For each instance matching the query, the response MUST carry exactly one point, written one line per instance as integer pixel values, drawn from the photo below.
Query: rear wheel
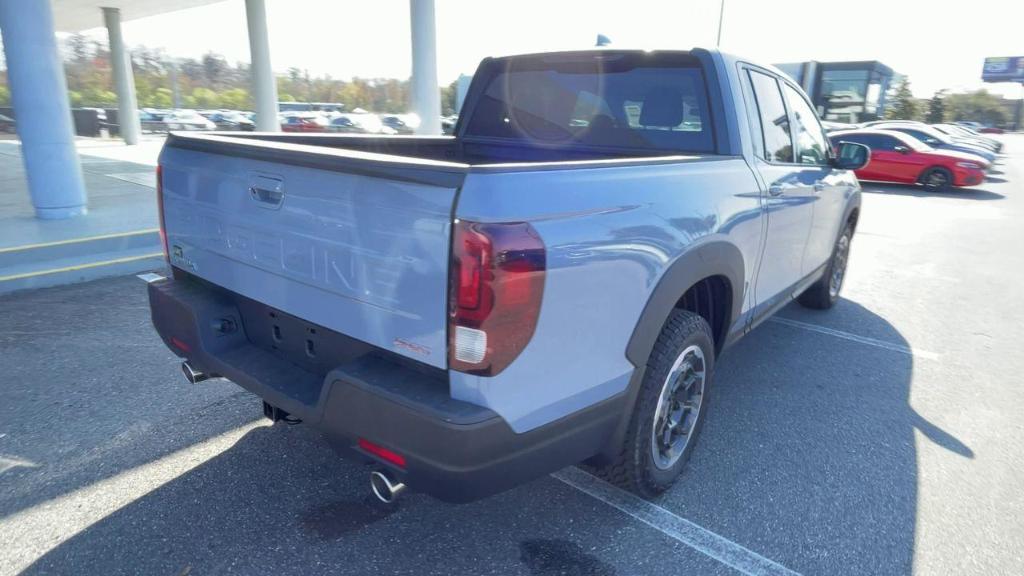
(670, 408)
(824, 293)
(937, 179)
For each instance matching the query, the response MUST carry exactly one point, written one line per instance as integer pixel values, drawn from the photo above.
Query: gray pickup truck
(551, 285)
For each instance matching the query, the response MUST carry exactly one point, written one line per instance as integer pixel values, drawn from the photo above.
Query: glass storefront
(844, 91)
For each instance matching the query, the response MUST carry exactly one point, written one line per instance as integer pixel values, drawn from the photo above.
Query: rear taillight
(497, 281)
(160, 210)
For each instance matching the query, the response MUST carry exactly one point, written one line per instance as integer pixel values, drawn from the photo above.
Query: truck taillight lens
(160, 210)
(497, 282)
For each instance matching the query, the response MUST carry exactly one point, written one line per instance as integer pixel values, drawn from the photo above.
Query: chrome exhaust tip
(192, 375)
(385, 488)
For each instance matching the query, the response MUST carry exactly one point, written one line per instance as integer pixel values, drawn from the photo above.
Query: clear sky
(936, 43)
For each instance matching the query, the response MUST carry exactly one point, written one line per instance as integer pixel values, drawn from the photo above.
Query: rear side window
(633, 103)
(807, 131)
(778, 145)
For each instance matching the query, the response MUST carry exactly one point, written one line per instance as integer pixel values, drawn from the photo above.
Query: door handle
(272, 197)
(775, 190)
(819, 186)
(267, 191)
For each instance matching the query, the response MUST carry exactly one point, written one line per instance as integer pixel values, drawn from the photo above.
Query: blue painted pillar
(39, 94)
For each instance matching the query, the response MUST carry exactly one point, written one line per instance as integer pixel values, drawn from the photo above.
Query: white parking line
(149, 277)
(9, 463)
(700, 539)
(855, 338)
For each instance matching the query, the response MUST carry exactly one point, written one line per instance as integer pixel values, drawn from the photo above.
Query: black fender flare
(852, 205)
(711, 258)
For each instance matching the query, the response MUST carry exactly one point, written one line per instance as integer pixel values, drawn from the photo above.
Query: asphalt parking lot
(882, 437)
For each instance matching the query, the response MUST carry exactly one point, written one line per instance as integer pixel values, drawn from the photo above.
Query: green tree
(95, 96)
(5, 96)
(205, 98)
(937, 108)
(236, 99)
(903, 107)
(159, 98)
(977, 106)
(285, 97)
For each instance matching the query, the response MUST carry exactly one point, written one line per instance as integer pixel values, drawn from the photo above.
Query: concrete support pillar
(172, 73)
(124, 79)
(39, 93)
(426, 95)
(264, 85)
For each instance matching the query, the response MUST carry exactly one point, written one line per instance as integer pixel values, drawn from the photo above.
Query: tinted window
(922, 136)
(807, 132)
(855, 138)
(882, 142)
(774, 121)
(630, 103)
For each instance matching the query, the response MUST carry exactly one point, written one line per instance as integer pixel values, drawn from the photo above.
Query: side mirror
(902, 149)
(851, 156)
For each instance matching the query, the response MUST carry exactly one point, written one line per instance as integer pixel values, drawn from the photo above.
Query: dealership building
(844, 91)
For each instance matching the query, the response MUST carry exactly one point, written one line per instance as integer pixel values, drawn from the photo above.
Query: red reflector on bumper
(382, 453)
(180, 345)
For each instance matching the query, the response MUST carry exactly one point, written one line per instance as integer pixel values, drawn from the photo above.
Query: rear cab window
(647, 102)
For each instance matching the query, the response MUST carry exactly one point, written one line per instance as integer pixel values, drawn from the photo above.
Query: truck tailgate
(355, 242)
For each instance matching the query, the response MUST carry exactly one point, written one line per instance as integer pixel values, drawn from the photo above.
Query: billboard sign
(1004, 69)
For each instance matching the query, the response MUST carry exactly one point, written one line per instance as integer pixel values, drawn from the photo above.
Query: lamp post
(721, 13)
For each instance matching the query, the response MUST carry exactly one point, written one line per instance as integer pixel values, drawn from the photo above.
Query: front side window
(807, 131)
(778, 145)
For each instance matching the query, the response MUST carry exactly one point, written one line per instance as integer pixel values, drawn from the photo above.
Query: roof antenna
(603, 40)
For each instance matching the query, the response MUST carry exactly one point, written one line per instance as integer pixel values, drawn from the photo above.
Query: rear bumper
(453, 450)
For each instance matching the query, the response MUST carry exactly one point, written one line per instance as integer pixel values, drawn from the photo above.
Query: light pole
(721, 13)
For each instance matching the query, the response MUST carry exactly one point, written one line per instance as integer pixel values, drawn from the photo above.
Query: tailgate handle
(266, 190)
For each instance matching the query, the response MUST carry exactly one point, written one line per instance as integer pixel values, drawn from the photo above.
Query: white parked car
(187, 120)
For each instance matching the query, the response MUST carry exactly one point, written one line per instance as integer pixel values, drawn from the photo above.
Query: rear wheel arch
(717, 266)
(700, 268)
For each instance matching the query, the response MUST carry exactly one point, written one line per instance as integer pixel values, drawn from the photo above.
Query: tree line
(977, 106)
(212, 82)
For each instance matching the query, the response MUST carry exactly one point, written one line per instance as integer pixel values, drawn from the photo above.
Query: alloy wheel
(678, 408)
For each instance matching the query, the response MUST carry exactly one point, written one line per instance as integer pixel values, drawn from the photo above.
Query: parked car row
(936, 156)
(348, 123)
(358, 122)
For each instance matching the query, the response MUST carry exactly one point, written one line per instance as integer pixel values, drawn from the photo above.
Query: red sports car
(304, 123)
(901, 158)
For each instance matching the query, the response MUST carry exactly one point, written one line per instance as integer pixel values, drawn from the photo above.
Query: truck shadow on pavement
(809, 454)
(808, 457)
(919, 192)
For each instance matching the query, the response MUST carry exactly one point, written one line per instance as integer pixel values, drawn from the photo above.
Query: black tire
(936, 179)
(824, 293)
(634, 467)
